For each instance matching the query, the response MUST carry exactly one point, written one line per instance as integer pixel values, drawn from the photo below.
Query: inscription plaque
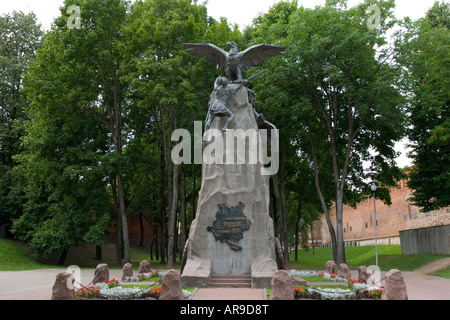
(230, 225)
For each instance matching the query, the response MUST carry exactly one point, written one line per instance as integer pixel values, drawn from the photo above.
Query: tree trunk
(297, 228)
(283, 211)
(141, 224)
(279, 197)
(63, 257)
(162, 190)
(183, 225)
(172, 218)
(321, 197)
(2, 231)
(118, 224)
(126, 241)
(154, 245)
(340, 251)
(98, 252)
(115, 127)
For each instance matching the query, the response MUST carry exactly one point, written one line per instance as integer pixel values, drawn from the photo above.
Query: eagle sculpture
(233, 63)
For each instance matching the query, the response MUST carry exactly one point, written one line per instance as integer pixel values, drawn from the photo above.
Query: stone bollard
(144, 267)
(101, 273)
(330, 267)
(345, 271)
(395, 287)
(362, 274)
(281, 286)
(61, 289)
(171, 286)
(127, 271)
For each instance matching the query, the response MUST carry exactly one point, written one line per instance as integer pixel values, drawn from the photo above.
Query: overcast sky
(241, 12)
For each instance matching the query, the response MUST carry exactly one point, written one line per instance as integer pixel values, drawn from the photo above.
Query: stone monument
(233, 233)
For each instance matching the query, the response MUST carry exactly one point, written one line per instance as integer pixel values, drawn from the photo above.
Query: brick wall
(359, 223)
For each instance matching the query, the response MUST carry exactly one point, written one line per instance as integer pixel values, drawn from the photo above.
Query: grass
(17, 256)
(389, 257)
(444, 273)
(315, 279)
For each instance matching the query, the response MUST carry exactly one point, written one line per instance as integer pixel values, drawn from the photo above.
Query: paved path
(229, 294)
(37, 285)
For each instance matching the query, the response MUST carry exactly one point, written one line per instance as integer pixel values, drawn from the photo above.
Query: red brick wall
(359, 223)
(134, 230)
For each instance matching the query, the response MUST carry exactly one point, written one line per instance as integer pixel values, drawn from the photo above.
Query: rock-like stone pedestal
(233, 233)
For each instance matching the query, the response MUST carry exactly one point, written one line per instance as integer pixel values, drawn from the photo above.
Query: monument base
(196, 274)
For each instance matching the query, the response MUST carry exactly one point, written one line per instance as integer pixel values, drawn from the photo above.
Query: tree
(94, 53)
(75, 136)
(424, 53)
(272, 28)
(336, 87)
(170, 88)
(20, 37)
(67, 203)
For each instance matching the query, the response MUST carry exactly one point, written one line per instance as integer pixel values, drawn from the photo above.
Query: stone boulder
(144, 267)
(363, 275)
(330, 267)
(127, 271)
(344, 271)
(63, 287)
(297, 281)
(101, 273)
(171, 286)
(281, 285)
(395, 287)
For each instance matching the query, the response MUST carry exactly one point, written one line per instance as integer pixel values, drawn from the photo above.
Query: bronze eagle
(233, 63)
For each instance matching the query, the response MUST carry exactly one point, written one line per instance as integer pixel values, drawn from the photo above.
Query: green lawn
(389, 257)
(16, 256)
(444, 273)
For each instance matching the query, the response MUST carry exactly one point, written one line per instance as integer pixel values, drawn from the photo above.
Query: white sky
(241, 12)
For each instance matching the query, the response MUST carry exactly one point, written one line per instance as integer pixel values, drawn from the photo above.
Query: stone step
(230, 281)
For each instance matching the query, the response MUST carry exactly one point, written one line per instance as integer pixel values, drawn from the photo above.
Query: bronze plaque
(230, 225)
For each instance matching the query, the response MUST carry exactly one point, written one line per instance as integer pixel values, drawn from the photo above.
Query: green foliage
(66, 160)
(423, 51)
(333, 96)
(101, 102)
(20, 36)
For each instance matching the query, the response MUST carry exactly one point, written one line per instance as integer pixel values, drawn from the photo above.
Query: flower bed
(320, 293)
(332, 277)
(115, 290)
(144, 277)
(125, 293)
(301, 273)
(351, 289)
